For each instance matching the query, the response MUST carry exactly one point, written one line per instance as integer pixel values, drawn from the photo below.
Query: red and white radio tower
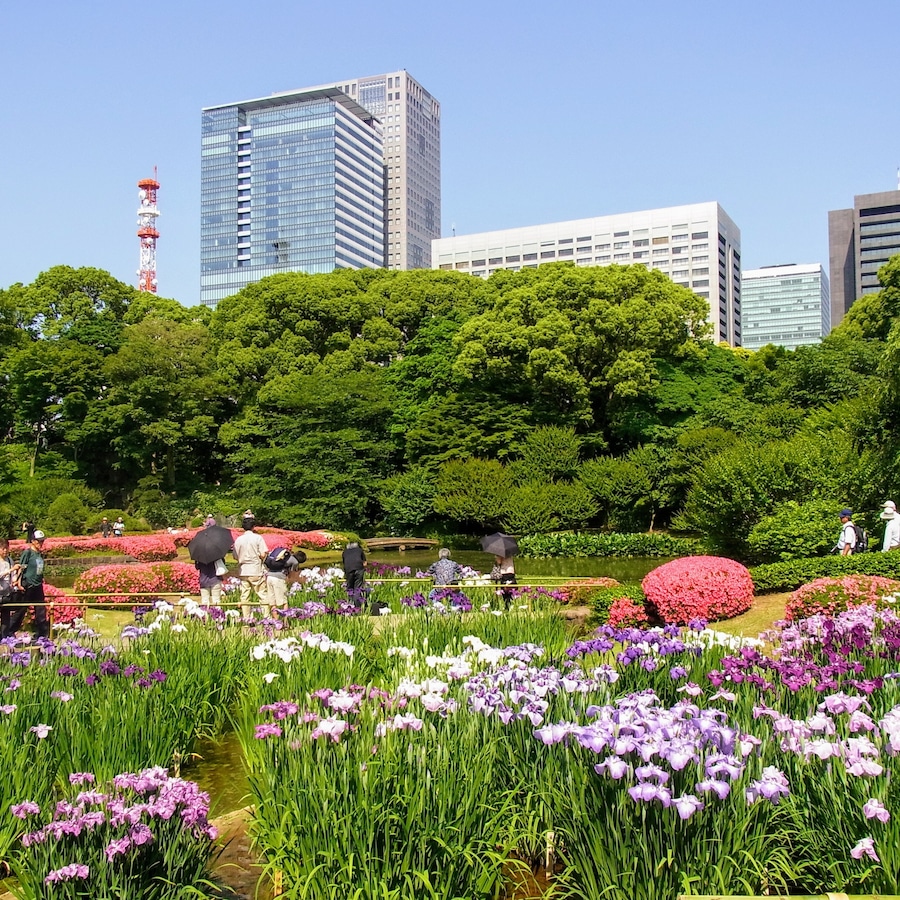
(147, 232)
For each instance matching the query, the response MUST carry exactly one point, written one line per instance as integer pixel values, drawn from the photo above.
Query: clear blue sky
(779, 111)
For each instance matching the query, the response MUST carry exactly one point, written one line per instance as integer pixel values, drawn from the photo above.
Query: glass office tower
(411, 123)
(289, 183)
(785, 305)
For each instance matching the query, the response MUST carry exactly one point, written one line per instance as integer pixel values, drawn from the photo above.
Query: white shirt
(5, 569)
(250, 550)
(891, 534)
(848, 536)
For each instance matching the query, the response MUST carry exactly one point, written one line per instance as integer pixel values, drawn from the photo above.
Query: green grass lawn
(767, 609)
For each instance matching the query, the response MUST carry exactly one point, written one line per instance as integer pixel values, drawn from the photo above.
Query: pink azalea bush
(145, 547)
(626, 612)
(698, 587)
(138, 578)
(274, 537)
(831, 596)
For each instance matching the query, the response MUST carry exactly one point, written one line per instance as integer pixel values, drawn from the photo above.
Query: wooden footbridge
(399, 543)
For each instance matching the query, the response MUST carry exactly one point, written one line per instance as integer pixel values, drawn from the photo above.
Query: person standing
(105, 527)
(118, 527)
(250, 550)
(504, 573)
(353, 560)
(210, 582)
(31, 575)
(892, 526)
(847, 540)
(6, 577)
(277, 579)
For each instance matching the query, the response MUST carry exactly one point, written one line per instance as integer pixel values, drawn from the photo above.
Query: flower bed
(830, 596)
(699, 587)
(142, 578)
(274, 537)
(145, 547)
(143, 835)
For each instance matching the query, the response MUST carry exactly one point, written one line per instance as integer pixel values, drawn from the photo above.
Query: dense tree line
(544, 399)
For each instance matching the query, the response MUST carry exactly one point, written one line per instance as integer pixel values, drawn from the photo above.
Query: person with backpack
(280, 563)
(847, 541)
(250, 550)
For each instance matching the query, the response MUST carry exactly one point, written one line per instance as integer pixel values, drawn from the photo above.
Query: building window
(495, 260)
(548, 254)
(565, 240)
(601, 247)
(511, 259)
(620, 244)
(477, 262)
(568, 251)
(642, 242)
(527, 256)
(660, 240)
(620, 234)
(699, 235)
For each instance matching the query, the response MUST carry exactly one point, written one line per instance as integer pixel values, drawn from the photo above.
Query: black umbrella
(210, 544)
(500, 544)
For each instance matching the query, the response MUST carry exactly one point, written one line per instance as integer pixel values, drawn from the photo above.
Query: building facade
(785, 305)
(289, 183)
(411, 122)
(860, 241)
(697, 246)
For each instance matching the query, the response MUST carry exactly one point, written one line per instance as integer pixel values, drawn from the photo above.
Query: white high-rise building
(697, 246)
(785, 305)
(411, 124)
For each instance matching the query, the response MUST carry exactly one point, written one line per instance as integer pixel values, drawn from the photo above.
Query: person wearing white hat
(892, 526)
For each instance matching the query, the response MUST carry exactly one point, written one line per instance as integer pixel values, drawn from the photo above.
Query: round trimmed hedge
(698, 587)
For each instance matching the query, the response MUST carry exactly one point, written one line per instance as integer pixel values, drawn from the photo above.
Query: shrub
(626, 612)
(583, 591)
(795, 531)
(571, 543)
(786, 576)
(606, 598)
(145, 547)
(140, 578)
(830, 596)
(64, 613)
(67, 515)
(133, 525)
(546, 506)
(700, 587)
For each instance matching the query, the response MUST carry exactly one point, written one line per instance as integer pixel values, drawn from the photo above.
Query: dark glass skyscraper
(860, 241)
(292, 182)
